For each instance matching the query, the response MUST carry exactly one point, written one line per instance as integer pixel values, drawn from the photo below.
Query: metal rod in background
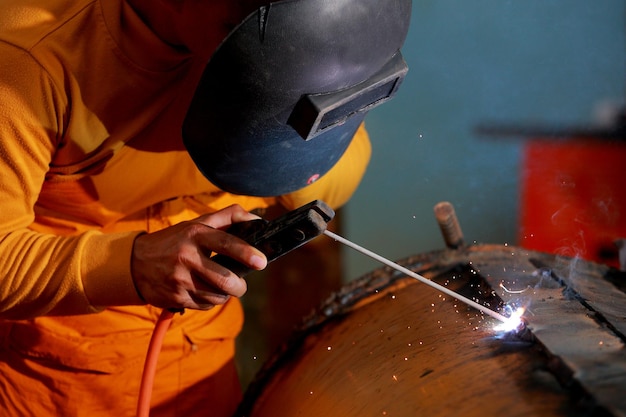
(449, 225)
(418, 277)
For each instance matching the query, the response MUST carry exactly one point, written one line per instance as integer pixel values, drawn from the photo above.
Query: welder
(132, 133)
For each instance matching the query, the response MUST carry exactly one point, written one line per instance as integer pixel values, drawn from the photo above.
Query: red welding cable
(149, 369)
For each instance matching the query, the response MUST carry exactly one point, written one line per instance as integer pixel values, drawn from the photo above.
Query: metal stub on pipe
(449, 225)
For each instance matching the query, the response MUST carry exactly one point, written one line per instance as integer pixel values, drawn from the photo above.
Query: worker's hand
(172, 267)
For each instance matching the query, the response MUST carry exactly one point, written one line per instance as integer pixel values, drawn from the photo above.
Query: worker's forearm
(43, 274)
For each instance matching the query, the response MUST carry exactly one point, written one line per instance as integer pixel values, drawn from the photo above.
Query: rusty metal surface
(388, 345)
(574, 312)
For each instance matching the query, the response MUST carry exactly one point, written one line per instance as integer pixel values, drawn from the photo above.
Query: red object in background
(573, 198)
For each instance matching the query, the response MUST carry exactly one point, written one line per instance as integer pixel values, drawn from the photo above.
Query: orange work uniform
(91, 105)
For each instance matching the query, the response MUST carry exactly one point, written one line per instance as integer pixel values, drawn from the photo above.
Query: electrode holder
(277, 237)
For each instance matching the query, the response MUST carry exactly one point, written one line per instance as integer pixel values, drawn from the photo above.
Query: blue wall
(471, 62)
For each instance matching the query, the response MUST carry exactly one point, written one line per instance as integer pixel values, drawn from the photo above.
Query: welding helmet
(282, 96)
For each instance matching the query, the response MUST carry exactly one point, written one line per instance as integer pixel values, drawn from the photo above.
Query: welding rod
(412, 274)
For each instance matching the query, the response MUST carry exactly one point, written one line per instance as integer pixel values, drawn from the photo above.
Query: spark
(515, 291)
(513, 322)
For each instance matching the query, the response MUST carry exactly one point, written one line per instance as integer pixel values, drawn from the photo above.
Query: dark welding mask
(283, 95)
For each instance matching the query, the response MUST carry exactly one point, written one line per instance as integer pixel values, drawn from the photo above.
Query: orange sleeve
(43, 273)
(337, 186)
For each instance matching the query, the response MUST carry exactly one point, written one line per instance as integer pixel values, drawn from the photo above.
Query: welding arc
(418, 277)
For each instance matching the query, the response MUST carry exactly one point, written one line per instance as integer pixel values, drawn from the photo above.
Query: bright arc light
(513, 322)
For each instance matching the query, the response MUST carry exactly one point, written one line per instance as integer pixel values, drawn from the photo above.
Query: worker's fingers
(227, 216)
(211, 241)
(172, 268)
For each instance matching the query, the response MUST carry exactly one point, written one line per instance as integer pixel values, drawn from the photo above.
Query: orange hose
(149, 369)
